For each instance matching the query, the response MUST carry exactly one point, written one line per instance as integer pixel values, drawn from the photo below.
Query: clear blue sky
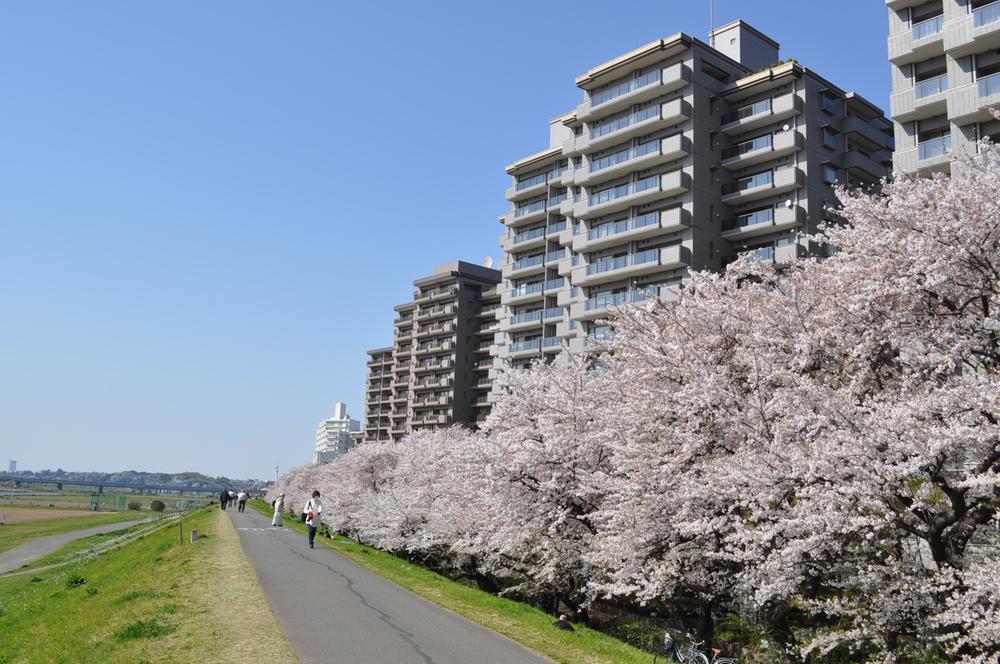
(208, 209)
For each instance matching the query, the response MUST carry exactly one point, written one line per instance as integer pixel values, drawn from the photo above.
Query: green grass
(16, 534)
(108, 500)
(516, 620)
(153, 599)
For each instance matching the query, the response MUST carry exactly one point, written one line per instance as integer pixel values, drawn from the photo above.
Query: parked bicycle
(671, 650)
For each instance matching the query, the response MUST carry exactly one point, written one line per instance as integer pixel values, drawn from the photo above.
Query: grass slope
(153, 600)
(16, 534)
(518, 621)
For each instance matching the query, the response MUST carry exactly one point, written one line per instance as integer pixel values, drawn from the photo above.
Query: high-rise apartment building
(335, 435)
(680, 156)
(437, 372)
(378, 394)
(945, 57)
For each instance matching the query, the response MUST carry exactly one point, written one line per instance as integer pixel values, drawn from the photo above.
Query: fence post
(181, 527)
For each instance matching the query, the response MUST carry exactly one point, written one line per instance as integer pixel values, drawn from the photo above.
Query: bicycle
(689, 654)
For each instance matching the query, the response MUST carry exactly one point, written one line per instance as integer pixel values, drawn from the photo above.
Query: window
(829, 138)
(829, 174)
(828, 103)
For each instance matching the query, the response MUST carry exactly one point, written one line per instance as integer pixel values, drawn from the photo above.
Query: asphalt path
(31, 551)
(335, 612)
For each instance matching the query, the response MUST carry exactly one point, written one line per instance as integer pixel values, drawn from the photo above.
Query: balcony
(434, 330)
(552, 344)
(524, 266)
(927, 157)
(524, 240)
(523, 348)
(633, 228)
(762, 222)
(923, 40)
(521, 321)
(974, 32)
(925, 99)
(599, 306)
(860, 129)
(529, 212)
(760, 114)
(648, 189)
(643, 156)
(872, 163)
(534, 185)
(761, 149)
(605, 270)
(524, 293)
(762, 185)
(970, 103)
(641, 122)
(430, 349)
(634, 91)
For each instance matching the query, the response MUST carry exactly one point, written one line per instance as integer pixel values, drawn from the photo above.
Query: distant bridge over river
(134, 487)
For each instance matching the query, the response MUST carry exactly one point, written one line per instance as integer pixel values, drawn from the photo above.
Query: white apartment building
(680, 156)
(945, 57)
(335, 435)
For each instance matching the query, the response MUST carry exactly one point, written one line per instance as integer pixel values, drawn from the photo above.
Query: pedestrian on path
(314, 516)
(241, 499)
(279, 507)
(232, 498)
(223, 499)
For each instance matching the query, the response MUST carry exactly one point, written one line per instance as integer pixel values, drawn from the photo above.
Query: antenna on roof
(711, 23)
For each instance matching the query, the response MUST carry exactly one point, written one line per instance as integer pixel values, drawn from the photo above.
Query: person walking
(232, 498)
(223, 499)
(314, 516)
(241, 500)
(279, 510)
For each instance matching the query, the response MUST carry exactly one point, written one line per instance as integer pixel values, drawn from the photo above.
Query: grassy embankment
(15, 534)
(82, 501)
(152, 600)
(516, 620)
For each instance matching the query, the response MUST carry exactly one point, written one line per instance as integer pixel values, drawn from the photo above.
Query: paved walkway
(31, 551)
(335, 612)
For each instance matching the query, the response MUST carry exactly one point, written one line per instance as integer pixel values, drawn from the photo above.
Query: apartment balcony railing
(758, 180)
(930, 86)
(526, 317)
(607, 300)
(989, 85)
(525, 236)
(524, 210)
(935, 147)
(526, 289)
(755, 109)
(605, 230)
(617, 124)
(531, 261)
(552, 342)
(927, 28)
(986, 15)
(623, 156)
(761, 113)
(557, 282)
(552, 312)
(521, 346)
(623, 190)
(556, 200)
(617, 263)
(555, 255)
(624, 88)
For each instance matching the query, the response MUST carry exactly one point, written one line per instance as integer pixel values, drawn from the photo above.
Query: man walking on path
(223, 499)
(241, 500)
(279, 514)
(314, 510)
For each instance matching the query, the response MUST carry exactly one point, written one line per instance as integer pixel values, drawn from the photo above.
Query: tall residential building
(12, 465)
(437, 372)
(945, 57)
(378, 394)
(335, 435)
(680, 156)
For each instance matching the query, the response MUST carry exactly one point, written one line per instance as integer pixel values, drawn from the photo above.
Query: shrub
(75, 580)
(157, 506)
(135, 506)
(144, 629)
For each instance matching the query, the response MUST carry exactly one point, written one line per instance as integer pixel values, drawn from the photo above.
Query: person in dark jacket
(563, 623)
(223, 499)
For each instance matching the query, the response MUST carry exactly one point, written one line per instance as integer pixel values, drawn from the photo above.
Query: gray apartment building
(680, 156)
(945, 57)
(437, 372)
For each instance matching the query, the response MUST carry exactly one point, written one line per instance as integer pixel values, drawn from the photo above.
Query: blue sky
(208, 209)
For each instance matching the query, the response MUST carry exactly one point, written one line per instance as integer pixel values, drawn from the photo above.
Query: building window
(829, 174)
(829, 138)
(827, 102)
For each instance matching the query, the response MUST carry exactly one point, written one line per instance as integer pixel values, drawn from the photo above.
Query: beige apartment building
(680, 156)
(437, 372)
(945, 57)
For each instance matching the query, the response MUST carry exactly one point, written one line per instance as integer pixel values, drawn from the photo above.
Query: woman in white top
(314, 516)
(279, 506)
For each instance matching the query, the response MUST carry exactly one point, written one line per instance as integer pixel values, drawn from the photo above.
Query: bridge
(114, 484)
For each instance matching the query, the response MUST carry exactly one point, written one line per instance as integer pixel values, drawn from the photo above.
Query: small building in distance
(336, 435)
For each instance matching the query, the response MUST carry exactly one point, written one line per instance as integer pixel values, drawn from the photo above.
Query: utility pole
(275, 473)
